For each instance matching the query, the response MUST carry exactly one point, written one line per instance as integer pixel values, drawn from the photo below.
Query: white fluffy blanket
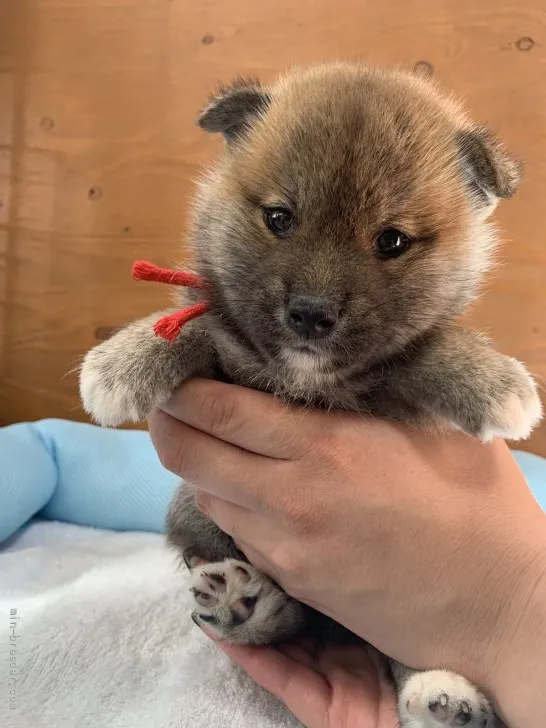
(95, 632)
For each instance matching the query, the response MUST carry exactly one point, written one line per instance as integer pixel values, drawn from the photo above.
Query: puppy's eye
(279, 220)
(392, 243)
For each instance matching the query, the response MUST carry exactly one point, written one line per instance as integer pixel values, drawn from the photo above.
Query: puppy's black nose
(311, 317)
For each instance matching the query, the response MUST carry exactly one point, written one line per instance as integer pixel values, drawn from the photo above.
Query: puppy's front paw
(241, 605)
(516, 408)
(112, 391)
(437, 698)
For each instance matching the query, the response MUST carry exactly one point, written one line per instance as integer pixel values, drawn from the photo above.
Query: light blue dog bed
(111, 479)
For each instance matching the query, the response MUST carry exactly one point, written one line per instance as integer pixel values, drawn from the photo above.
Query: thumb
(304, 691)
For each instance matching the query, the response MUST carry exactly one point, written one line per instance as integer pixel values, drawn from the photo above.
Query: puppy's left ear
(489, 171)
(233, 108)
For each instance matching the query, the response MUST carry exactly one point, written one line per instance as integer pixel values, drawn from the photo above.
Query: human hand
(341, 687)
(429, 547)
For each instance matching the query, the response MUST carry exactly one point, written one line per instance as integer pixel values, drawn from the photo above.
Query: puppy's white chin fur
(305, 369)
(304, 361)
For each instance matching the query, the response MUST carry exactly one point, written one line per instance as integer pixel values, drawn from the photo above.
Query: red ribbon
(169, 327)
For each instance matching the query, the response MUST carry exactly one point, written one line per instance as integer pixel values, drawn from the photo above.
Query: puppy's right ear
(490, 171)
(232, 109)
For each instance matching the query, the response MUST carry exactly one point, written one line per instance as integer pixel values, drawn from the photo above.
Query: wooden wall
(98, 150)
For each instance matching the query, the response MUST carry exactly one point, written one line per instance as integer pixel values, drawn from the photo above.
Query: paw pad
(440, 699)
(239, 603)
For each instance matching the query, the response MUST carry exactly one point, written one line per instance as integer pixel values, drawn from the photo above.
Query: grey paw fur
(125, 377)
(442, 699)
(241, 605)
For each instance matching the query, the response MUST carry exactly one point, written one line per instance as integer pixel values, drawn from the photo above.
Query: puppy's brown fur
(350, 152)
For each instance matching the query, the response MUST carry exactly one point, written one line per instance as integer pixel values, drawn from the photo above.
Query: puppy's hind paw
(241, 605)
(442, 699)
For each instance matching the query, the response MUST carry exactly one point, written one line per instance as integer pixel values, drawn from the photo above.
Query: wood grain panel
(98, 151)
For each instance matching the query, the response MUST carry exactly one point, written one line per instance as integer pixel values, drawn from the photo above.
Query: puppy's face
(347, 216)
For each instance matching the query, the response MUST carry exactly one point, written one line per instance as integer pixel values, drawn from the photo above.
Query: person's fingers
(304, 692)
(300, 654)
(352, 659)
(215, 466)
(355, 689)
(244, 417)
(351, 671)
(244, 526)
(388, 714)
(237, 521)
